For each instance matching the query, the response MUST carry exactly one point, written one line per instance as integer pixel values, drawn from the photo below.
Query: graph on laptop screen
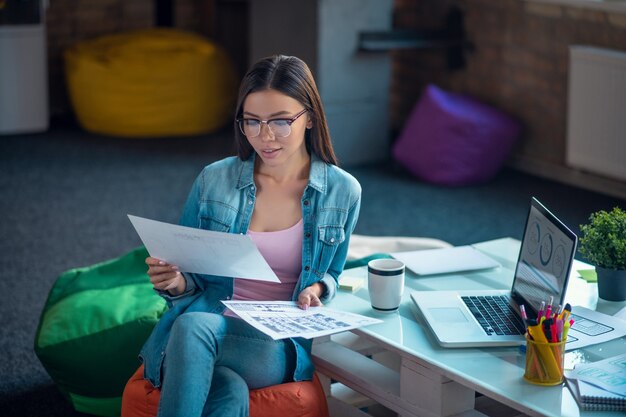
(545, 259)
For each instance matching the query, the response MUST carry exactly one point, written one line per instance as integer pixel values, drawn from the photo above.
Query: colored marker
(547, 331)
(522, 310)
(529, 331)
(537, 333)
(567, 310)
(566, 327)
(559, 330)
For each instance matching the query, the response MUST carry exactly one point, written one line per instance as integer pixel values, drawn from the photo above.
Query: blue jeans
(211, 361)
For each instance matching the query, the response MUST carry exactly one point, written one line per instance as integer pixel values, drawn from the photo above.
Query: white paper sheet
(445, 260)
(283, 319)
(203, 251)
(608, 374)
(592, 327)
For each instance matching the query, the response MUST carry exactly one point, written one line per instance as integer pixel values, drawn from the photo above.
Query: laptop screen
(545, 259)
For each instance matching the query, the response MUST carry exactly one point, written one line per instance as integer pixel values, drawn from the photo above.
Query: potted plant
(603, 243)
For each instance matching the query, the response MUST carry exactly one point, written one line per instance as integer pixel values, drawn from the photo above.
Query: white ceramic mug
(385, 283)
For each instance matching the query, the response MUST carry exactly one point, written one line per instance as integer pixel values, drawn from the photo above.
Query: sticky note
(588, 275)
(350, 283)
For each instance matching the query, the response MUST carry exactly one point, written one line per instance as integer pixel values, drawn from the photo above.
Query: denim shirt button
(228, 298)
(332, 240)
(306, 268)
(163, 353)
(249, 202)
(306, 202)
(307, 235)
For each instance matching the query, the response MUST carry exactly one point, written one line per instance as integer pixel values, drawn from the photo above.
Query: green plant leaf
(603, 240)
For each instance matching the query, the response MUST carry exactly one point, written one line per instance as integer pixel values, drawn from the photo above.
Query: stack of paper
(445, 260)
(600, 386)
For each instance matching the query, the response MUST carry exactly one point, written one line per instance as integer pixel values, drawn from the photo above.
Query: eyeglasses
(280, 128)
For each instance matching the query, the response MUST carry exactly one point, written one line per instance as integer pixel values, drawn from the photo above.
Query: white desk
(429, 380)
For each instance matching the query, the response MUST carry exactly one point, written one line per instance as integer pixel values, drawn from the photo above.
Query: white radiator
(596, 119)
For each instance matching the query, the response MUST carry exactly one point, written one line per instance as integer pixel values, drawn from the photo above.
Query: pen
(549, 307)
(539, 366)
(546, 355)
(522, 310)
(540, 312)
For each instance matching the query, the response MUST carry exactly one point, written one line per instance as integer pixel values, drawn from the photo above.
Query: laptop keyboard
(495, 315)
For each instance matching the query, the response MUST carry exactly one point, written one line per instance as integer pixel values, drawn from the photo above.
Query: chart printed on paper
(283, 319)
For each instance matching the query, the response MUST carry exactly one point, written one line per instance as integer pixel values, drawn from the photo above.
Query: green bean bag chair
(93, 325)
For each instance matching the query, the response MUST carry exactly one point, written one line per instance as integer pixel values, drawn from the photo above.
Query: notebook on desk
(591, 398)
(475, 318)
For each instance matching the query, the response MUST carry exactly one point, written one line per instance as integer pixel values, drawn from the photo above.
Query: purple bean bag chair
(451, 139)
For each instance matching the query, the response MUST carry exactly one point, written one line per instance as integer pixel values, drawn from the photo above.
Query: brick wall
(520, 62)
(71, 21)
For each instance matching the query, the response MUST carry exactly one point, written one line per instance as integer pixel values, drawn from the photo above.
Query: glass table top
(495, 371)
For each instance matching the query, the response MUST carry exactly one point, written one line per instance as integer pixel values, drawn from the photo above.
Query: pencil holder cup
(544, 362)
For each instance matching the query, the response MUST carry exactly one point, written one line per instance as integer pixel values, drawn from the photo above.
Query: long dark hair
(291, 76)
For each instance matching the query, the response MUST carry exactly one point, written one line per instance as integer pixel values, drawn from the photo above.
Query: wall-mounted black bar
(407, 39)
(451, 38)
(164, 13)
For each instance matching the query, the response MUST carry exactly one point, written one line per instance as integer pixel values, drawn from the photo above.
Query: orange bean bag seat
(293, 399)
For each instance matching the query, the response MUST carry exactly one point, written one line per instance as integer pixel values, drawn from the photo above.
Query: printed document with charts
(203, 251)
(283, 319)
(599, 385)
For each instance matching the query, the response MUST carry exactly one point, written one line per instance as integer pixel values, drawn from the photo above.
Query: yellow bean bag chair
(151, 83)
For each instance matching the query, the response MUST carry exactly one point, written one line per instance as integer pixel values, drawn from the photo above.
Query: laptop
(476, 318)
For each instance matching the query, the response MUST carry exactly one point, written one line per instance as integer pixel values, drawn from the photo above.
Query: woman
(284, 190)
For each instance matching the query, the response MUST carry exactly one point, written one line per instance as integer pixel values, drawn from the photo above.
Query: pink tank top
(282, 250)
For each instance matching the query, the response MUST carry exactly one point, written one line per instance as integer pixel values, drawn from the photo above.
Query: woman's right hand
(165, 277)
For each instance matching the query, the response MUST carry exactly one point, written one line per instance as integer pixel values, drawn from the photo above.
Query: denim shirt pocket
(217, 216)
(216, 225)
(330, 238)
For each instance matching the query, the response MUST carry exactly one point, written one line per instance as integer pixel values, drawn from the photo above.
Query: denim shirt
(222, 199)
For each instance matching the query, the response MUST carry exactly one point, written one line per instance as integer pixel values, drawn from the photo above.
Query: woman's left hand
(310, 296)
